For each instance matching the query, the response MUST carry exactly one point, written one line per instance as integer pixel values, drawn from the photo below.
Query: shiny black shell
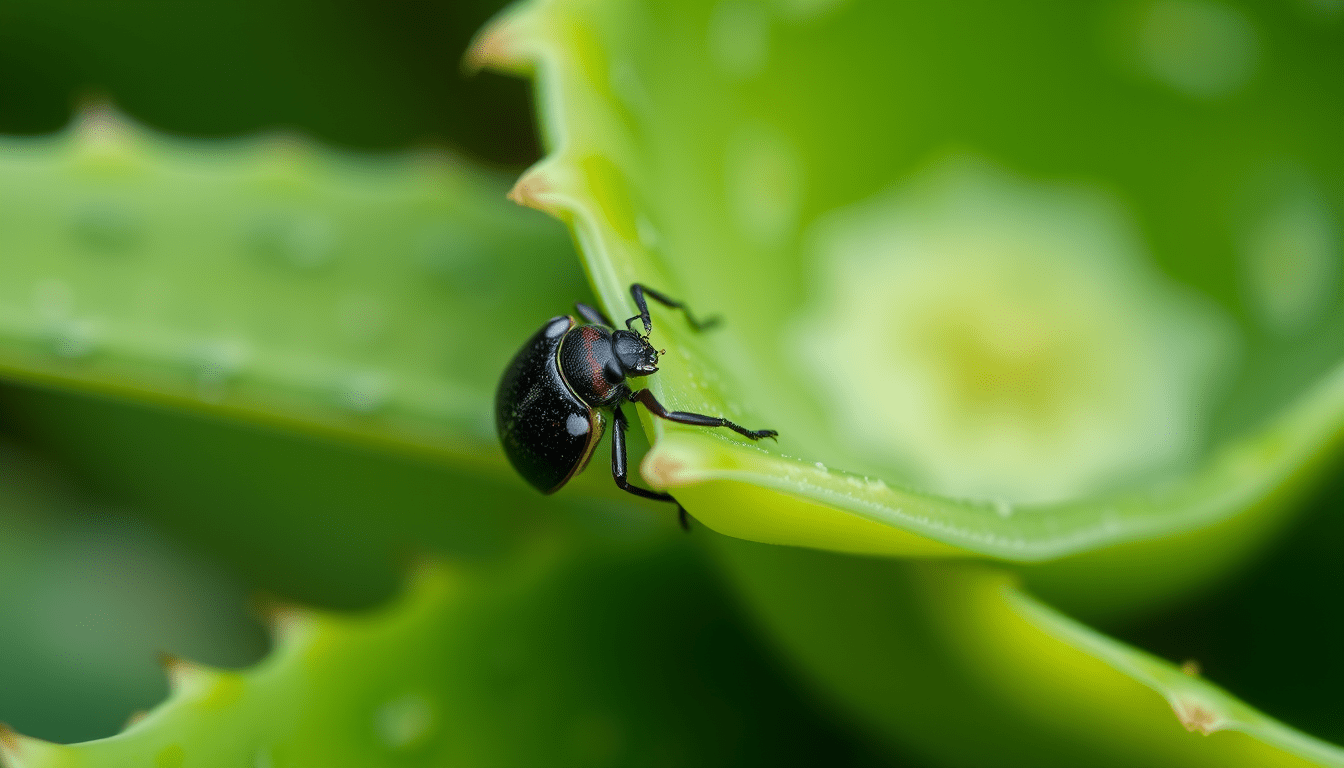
(548, 432)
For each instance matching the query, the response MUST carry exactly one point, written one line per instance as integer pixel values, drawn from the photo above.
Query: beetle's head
(637, 355)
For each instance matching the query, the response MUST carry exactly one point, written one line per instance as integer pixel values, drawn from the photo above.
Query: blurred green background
(128, 530)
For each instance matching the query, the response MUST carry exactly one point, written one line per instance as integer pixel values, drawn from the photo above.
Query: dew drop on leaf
(405, 721)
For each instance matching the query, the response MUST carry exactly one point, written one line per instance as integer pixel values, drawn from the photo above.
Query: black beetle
(550, 403)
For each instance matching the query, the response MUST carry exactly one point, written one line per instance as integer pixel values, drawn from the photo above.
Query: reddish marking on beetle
(591, 336)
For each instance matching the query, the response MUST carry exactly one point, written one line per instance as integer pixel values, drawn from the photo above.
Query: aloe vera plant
(517, 585)
(1020, 361)
(1019, 338)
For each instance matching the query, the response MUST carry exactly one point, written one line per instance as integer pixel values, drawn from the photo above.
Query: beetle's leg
(618, 470)
(592, 314)
(638, 290)
(646, 398)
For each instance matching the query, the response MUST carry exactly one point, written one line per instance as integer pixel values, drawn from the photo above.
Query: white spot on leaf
(215, 363)
(1202, 49)
(997, 338)
(1291, 252)
(364, 392)
(739, 37)
(405, 721)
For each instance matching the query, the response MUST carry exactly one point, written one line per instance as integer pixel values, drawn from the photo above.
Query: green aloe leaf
(148, 282)
(984, 317)
(958, 663)
(562, 658)
(1053, 286)
(270, 282)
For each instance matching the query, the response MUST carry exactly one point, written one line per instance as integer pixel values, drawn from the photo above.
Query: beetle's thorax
(591, 366)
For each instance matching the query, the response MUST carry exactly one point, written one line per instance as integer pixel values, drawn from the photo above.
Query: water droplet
(820, 467)
(74, 338)
(1110, 521)
(304, 241)
(764, 185)
(739, 37)
(1202, 49)
(1291, 251)
(106, 227)
(364, 392)
(215, 363)
(649, 236)
(483, 424)
(875, 484)
(405, 721)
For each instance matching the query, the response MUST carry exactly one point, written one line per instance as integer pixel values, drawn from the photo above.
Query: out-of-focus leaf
(351, 73)
(314, 521)
(604, 659)
(89, 596)
(956, 662)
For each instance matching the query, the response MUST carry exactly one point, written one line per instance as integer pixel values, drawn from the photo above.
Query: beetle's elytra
(550, 405)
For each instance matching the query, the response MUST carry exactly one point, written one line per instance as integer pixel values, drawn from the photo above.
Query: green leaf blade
(268, 281)
(748, 184)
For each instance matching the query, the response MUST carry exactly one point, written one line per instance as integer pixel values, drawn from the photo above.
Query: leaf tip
(9, 747)
(17, 750)
(1197, 715)
(531, 191)
(284, 621)
(186, 676)
(134, 718)
(497, 46)
(664, 468)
